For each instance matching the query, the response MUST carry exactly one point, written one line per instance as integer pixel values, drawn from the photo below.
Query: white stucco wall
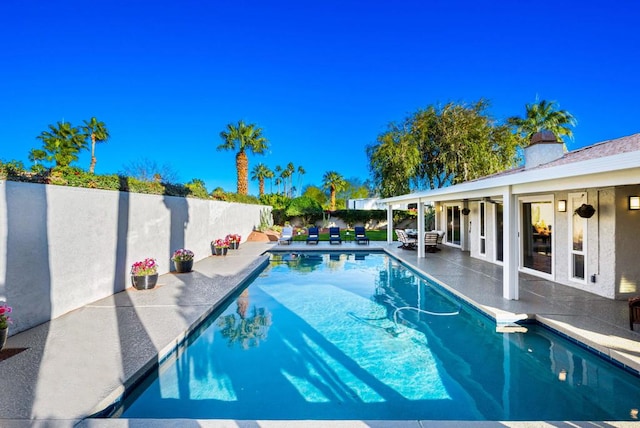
(63, 247)
(612, 248)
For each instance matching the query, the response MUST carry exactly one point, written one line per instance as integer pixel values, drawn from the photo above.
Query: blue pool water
(346, 336)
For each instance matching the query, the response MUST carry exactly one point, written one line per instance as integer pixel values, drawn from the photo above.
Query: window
(483, 228)
(537, 216)
(577, 238)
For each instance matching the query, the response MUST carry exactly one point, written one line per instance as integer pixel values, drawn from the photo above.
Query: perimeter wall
(64, 247)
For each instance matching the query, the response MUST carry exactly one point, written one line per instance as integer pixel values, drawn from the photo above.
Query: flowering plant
(148, 266)
(233, 238)
(182, 255)
(5, 319)
(220, 243)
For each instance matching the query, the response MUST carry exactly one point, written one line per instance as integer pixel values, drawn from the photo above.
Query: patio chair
(407, 243)
(286, 237)
(634, 311)
(361, 235)
(312, 236)
(334, 236)
(431, 242)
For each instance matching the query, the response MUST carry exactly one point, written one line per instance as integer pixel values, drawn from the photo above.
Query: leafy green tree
(62, 143)
(544, 116)
(333, 182)
(393, 161)
(439, 146)
(305, 207)
(98, 133)
(316, 194)
(259, 173)
(242, 138)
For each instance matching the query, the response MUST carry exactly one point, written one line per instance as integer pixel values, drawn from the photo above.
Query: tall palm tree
(62, 143)
(98, 133)
(301, 172)
(290, 170)
(335, 183)
(544, 116)
(284, 175)
(277, 170)
(259, 173)
(243, 138)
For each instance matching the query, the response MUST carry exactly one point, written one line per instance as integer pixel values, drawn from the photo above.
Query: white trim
(616, 170)
(533, 199)
(482, 236)
(570, 251)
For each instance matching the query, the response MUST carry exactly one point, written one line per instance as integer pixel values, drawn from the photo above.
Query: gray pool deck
(60, 373)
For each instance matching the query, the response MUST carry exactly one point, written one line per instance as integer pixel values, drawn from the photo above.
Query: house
(571, 218)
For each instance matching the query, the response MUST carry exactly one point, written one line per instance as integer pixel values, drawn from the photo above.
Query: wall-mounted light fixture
(562, 205)
(634, 202)
(441, 208)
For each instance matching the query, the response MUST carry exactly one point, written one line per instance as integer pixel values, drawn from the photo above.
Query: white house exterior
(525, 220)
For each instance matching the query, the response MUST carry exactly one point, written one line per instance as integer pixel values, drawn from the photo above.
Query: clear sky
(323, 79)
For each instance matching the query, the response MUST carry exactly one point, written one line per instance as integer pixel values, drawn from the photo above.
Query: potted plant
(219, 247)
(5, 320)
(144, 274)
(234, 241)
(183, 260)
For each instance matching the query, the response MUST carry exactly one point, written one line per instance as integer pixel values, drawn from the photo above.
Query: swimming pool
(355, 336)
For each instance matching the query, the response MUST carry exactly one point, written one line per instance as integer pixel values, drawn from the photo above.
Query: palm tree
(243, 138)
(290, 170)
(61, 144)
(259, 173)
(284, 175)
(301, 172)
(98, 133)
(335, 183)
(544, 116)
(277, 170)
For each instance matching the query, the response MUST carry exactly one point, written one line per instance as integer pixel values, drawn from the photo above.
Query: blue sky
(323, 79)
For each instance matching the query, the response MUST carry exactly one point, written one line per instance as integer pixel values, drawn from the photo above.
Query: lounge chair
(334, 235)
(286, 237)
(361, 235)
(407, 243)
(431, 242)
(312, 235)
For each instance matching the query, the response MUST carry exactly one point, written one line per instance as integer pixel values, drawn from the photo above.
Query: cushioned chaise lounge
(312, 235)
(334, 235)
(361, 235)
(286, 237)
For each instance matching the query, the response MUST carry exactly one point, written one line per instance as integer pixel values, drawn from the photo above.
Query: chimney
(543, 148)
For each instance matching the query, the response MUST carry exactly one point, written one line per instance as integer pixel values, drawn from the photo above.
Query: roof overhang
(616, 170)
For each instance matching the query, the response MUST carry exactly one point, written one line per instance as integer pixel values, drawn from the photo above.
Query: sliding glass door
(536, 234)
(453, 224)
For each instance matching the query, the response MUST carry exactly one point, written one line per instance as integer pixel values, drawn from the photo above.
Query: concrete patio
(61, 372)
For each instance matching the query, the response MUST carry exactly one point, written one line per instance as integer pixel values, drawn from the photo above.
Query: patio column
(420, 229)
(510, 286)
(389, 223)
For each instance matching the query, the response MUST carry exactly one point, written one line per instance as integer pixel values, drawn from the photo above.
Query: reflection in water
(248, 332)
